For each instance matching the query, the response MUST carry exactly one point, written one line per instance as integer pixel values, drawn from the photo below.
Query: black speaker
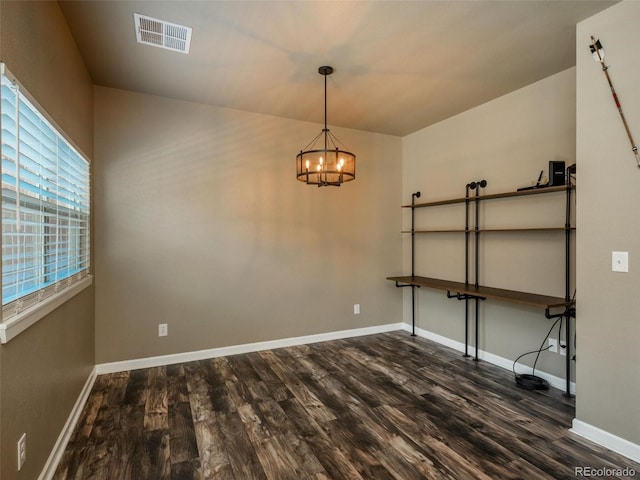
(556, 173)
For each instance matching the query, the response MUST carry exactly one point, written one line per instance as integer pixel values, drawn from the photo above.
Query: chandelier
(322, 162)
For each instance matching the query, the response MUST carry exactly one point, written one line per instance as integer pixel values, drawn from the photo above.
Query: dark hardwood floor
(385, 406)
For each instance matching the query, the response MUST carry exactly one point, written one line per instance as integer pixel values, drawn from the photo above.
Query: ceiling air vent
(159, 33)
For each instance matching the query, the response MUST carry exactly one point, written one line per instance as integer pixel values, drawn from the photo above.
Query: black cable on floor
(531, 381)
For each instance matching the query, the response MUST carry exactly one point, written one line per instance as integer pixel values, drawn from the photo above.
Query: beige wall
(201, 224)
(506, 142)
(608, 326)
(43, 369)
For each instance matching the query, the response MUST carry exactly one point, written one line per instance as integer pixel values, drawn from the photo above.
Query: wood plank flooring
(379, 407)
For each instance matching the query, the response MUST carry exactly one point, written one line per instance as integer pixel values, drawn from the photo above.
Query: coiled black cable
(531, 381)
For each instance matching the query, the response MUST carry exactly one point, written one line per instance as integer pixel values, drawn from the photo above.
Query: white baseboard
(61, 443)
(607, 440)
(237, 349)
(554, 381)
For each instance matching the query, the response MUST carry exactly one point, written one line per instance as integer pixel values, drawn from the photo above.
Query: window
(45, 205)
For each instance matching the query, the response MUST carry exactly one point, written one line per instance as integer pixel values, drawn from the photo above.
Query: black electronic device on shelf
(556, 173)
(556, 176)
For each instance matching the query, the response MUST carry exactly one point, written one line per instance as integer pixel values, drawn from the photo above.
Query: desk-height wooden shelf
(563, 307)
(512, 296)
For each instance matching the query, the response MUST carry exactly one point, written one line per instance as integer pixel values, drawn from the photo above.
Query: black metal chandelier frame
(328, 166)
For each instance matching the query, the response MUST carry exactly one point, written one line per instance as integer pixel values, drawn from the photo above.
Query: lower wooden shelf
(524, 298)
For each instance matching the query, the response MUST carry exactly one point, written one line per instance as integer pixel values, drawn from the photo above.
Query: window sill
(18, 324)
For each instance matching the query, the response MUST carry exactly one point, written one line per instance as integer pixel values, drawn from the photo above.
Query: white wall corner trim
(158, 361)
(554, 381)
(12, 327)
(61, 443)
(607, 440)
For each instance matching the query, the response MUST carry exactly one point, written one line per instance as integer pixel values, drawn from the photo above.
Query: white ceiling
(399, 65)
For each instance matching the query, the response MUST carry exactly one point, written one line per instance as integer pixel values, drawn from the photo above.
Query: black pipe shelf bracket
(568, 312)
(463, 296)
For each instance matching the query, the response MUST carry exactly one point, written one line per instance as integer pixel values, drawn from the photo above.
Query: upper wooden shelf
(451, 201)
(524, 298)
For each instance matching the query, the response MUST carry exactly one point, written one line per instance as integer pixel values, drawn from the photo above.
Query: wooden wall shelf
(523, 298)
(468, 290)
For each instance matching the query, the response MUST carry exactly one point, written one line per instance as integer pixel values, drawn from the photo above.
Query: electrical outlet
(163, 330)
(22, 450)
(563, 350)
(553, 345)
(356, 309)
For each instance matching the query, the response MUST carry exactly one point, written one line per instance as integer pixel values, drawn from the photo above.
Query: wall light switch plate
(619, 261)
(356, 309)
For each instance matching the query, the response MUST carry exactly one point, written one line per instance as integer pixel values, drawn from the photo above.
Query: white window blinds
(45, 205)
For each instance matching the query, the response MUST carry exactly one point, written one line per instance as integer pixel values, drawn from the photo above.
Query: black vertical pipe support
(479, 185)
(466, 267)
(567, 276)
(477, 243)
(413, 261)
